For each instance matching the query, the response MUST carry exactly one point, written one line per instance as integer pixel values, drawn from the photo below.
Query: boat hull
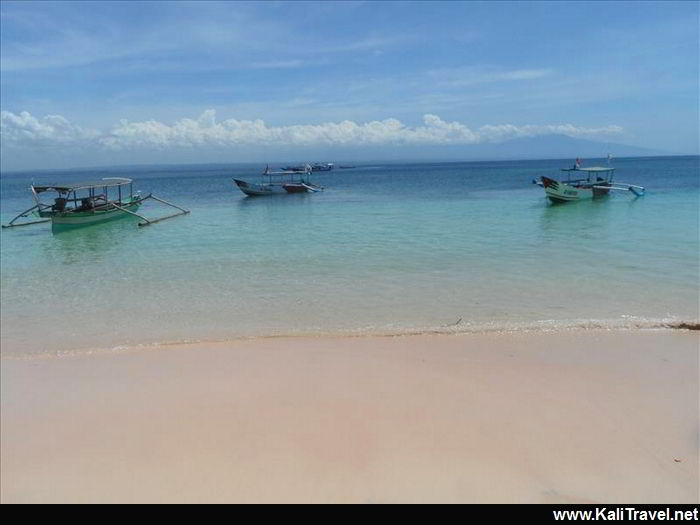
(559, 192)
(69, 221)
(256, 190)
(295, 188)
(301, 187)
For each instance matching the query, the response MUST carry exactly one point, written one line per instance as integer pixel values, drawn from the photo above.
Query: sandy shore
(531, 417)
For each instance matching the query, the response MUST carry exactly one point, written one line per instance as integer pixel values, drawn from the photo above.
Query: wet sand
(581, 416)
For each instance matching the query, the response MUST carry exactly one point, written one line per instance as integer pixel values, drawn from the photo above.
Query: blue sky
(85, 83)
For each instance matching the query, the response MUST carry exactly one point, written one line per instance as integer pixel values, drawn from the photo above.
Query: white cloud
(51, 130)
(26, 130)
(507, 131)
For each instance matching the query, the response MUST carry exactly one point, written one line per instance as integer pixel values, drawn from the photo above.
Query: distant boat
(317, 166)
(279, 183)
(88, 203)
(298, 169)
(596, 181)
(328, 166)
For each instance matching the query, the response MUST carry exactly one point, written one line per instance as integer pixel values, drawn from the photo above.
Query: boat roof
(591, 169)
(102, 183)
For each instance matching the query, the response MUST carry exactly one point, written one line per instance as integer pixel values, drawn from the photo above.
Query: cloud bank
(25, 130)
(51, 130)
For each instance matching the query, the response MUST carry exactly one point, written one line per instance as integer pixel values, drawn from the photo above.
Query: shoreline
(455, 329)
(548, 417)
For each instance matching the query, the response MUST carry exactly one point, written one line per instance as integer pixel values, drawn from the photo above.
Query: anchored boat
(319, 166)
(299, 169)
(316, 166)
(584, 183)
(279, 182)
(87, 203)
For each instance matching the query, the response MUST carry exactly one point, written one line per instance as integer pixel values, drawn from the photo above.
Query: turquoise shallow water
(389, 249)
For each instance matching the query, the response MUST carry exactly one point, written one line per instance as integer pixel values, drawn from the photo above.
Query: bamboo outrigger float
(596, 181)
(84, 204)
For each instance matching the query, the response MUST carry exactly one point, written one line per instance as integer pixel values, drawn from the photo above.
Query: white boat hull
(561, 192)
(275, 188)
(253, 189)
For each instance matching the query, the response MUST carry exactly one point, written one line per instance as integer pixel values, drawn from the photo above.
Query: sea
(386, 249)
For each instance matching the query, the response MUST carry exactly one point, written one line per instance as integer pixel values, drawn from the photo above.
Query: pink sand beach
(580, 416)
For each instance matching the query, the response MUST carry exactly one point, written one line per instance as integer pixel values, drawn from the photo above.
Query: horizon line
(356, 163)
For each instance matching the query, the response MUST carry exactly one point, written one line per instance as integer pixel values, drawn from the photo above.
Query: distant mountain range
(526, 148)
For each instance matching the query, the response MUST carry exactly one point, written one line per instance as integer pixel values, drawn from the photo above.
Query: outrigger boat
(596, 181)
(87, 203)
(301, 168)
(317, 166)
(279, 182)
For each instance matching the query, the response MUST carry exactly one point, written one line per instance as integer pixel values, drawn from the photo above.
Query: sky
(104, 83)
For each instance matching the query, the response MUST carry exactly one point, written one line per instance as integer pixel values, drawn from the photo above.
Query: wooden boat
(301, 168)
(279, 182)
(88, 203)
(317, 166)
(593, 182)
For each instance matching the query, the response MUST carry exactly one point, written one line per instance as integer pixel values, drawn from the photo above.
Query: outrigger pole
(148, 222)
(12, 224)
(637, 190)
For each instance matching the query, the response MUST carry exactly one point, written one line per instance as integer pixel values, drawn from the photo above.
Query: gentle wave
(458, 328)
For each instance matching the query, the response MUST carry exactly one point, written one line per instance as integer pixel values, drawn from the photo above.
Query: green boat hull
(63, 221)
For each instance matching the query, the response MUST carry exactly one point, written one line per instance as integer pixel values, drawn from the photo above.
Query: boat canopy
(107, 182)
(592, 169)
